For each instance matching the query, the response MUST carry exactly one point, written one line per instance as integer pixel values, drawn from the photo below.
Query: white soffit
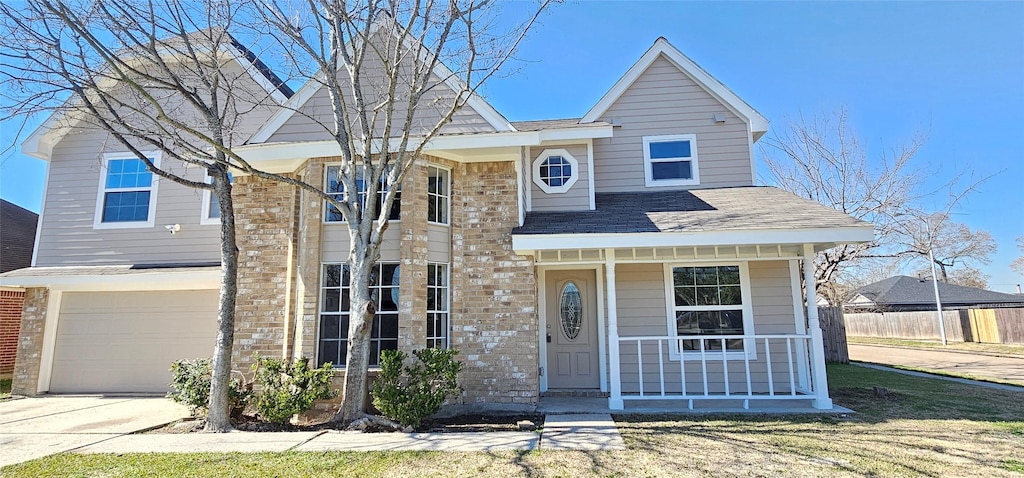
(758, 123)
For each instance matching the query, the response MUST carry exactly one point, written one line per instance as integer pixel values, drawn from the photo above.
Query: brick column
(266, 220)
(412, 309)
(11, 304)
(30, 342)
(494, 290)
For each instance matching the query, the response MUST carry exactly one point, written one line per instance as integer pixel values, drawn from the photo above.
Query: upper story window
(211, 206)
(127, 192)
(670, 160)
(438, 194)
(555, 171)
(336, 188)
(711, 301)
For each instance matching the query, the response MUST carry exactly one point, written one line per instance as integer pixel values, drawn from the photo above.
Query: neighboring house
(905, 293)
(626, 253)
(17, 234)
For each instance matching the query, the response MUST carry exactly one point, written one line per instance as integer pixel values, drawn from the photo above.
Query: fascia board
(844, 235)
(143, 281)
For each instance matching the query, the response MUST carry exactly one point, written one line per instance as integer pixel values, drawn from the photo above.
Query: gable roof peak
(662, 47)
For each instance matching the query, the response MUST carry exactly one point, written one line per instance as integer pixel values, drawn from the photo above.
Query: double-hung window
(127, 192)
(336, 189)
(437, 306)
(438, 194)
(711, 301)
(334, 312)
(211, 205)
(670, 160)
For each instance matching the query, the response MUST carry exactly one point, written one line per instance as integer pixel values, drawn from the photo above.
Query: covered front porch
(695, 328)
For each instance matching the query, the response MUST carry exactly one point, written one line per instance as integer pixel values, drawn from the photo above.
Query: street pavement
(1004, 368)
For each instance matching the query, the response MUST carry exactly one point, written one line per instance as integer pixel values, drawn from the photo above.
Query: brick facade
(11, 304)
(30, 342)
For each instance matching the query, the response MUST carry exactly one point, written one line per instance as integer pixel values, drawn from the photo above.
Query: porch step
(571, 392)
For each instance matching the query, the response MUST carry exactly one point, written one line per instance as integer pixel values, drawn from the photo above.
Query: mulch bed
(455, 424)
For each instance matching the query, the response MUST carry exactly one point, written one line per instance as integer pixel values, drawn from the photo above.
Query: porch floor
(564, 405)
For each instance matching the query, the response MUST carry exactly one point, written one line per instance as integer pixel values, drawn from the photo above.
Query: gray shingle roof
(906, 290)
(698, 210)
(537, 125)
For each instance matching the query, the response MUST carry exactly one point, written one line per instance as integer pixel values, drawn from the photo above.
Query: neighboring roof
(758, 123)
(17, 236)
(906, 290)
(698, 210)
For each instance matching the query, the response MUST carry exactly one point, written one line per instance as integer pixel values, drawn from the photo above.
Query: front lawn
(922, 427)
(5, 388)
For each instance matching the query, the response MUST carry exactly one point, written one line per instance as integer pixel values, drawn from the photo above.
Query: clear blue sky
(953, 70)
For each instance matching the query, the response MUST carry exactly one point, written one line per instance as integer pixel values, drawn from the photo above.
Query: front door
(571, 330)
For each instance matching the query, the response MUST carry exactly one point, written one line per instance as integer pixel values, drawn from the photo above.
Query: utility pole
(935, 283)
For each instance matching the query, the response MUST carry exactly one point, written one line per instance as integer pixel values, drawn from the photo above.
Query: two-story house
(627, 253)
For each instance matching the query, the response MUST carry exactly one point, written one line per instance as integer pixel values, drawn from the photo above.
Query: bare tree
(822, 159)
(1018, 263)
(937, 239)
(156, 76)
(395, 73)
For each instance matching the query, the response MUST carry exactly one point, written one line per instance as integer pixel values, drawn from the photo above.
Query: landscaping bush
(409, 392)
(190, 385)
(288, 388)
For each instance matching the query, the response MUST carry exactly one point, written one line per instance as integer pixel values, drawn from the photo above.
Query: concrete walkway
(1008, 369)
(581, 432)
(993, 385)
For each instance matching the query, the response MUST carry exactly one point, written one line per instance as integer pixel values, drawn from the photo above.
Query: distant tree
(822, 159)
(1018, 263)
(949, 243)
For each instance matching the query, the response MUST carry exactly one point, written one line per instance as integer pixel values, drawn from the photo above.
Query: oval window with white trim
(570, 308)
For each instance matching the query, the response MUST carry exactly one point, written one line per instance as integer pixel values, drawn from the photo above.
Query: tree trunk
(219, 417)
(361, 313)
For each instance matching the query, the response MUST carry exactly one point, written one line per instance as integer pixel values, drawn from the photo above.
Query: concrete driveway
(1010, 369)
(36, 427)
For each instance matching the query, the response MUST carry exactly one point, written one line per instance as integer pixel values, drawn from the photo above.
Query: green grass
(5, 388)
(947, 373)
(924, 427)
(999, 349)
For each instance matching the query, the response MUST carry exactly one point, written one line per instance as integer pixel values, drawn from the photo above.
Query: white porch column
(614, 379)
(818, 376)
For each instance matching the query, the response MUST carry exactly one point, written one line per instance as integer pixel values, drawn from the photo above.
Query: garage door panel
(126, 341)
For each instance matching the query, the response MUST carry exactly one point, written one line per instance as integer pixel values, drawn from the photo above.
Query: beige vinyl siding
(439, 243)
(336, 241)
(576, 198)
(664, 101)
(642, 311)
(67, 236)
(126, 341)
(315, 119)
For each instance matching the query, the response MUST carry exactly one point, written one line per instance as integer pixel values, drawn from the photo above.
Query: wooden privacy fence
(1004, 326)
(833, 332)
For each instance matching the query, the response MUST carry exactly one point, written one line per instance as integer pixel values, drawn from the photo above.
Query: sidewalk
(561, 432)
(1007, 369)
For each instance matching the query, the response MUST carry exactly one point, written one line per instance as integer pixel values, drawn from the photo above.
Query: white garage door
(109, 342)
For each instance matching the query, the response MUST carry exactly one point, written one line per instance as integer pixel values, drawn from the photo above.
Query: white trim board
(143, 280)
(526, 243)
(758, 123)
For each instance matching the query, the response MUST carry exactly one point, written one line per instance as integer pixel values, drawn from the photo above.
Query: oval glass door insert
(571, 310)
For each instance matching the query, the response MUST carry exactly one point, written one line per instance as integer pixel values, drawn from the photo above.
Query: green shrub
(190, 385)
(410, 392)
(289, 388)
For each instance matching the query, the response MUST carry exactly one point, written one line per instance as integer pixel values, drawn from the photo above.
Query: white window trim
(448, 211)
(564, 188)
(323, 212)
(151, 215)
(448, 303)
(749, 346)
(204, 215)
(649, 180)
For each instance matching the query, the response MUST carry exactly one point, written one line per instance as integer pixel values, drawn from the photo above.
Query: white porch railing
(768, 367)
